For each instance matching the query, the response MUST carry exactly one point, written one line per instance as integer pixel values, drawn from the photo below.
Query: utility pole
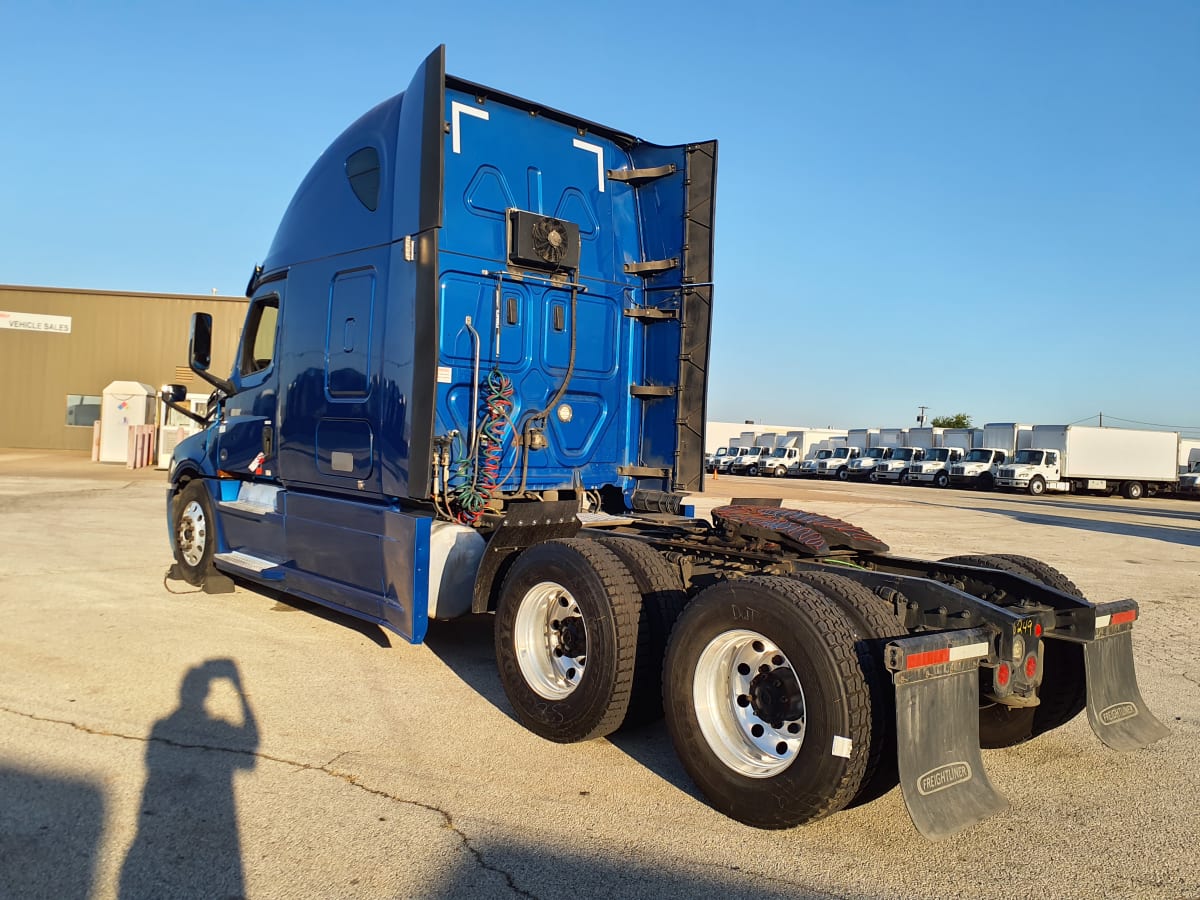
(921, 415)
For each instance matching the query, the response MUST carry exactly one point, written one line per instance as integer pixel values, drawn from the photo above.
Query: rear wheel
(1063, 693)
(566, 639)
(663, 599)
(766, 702)
(876, 622)
(1133, 490)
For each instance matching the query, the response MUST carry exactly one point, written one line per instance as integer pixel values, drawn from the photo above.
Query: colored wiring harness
(478, 469)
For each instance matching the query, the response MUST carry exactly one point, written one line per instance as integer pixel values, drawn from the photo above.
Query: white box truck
(864, 465)
(712, 460)
(815, 452)
(998, 441)
(794, 447)
(934, 469)
(751, 461)
(898, 466)
(789, 451)
(1085, 458)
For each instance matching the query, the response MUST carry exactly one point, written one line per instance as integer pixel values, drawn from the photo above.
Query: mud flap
(937, 732)
(1115, 707)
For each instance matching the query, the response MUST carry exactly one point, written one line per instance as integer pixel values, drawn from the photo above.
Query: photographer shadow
(187, 839)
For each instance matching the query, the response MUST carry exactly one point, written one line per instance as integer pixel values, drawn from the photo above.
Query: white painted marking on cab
(457, 110)
(599, 151)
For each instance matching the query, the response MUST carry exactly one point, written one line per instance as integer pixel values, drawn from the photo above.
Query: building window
(82, 409)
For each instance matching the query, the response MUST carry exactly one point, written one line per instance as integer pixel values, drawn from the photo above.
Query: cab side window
(258, 346)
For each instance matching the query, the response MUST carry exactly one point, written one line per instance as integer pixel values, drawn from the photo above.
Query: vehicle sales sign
(34, 322)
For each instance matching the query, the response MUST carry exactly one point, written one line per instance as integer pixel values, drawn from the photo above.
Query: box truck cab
(838, 464)
(725, 462)
(807, 468)
(863, 466)
(713, 459)
(780, 460)
(1032, 470)
(978, 468)
(896, 468)
(934, 469)
(1189, 483)
(751, 461)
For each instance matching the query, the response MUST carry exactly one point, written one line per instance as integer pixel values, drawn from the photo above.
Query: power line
(1157, 425)
(1136, 422)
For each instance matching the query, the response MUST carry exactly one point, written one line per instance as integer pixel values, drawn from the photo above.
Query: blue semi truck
(472, 379)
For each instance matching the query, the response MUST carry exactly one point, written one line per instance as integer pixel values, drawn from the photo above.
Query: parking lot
(156, 741)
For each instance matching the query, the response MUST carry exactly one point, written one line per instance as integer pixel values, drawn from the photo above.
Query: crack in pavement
(347, 777)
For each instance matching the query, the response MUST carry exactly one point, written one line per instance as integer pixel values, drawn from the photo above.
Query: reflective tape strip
(948, 654)
(1120, 618)
(969, 651)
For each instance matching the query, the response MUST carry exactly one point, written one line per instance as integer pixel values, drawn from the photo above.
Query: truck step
(262, 568)
(246, 506)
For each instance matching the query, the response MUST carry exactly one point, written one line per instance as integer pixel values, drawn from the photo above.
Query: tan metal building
(60, 348)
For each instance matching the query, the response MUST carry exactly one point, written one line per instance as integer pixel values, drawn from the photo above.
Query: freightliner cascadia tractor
(472, 380)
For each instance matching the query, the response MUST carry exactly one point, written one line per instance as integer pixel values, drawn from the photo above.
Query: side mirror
(173, 393)
(200, 343)
(200, 353)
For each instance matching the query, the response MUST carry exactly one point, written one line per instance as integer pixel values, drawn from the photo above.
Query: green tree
(958, 420)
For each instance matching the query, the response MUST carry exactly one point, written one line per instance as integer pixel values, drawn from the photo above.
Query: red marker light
(1128, 616)
(1037, 630)
(1030, 666)
(1002, 674)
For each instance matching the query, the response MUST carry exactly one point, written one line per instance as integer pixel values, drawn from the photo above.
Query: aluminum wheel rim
(742, 740)
(547, 634)
(192, 533)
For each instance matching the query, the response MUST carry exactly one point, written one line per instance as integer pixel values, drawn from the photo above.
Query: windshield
(875, 453)
(979, 456)
(903, 453)
(841, 453)
(1028, 457)
(938, 454)
(824, 454)
(722, 451)
(779, 451)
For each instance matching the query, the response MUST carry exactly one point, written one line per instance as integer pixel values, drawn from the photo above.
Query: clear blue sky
(991, 208)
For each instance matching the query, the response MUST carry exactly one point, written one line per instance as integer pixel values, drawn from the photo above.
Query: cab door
(247, 435)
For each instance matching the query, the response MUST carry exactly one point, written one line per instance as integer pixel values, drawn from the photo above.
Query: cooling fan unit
(543, 242)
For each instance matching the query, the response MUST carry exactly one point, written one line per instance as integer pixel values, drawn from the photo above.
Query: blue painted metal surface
(379, 272)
